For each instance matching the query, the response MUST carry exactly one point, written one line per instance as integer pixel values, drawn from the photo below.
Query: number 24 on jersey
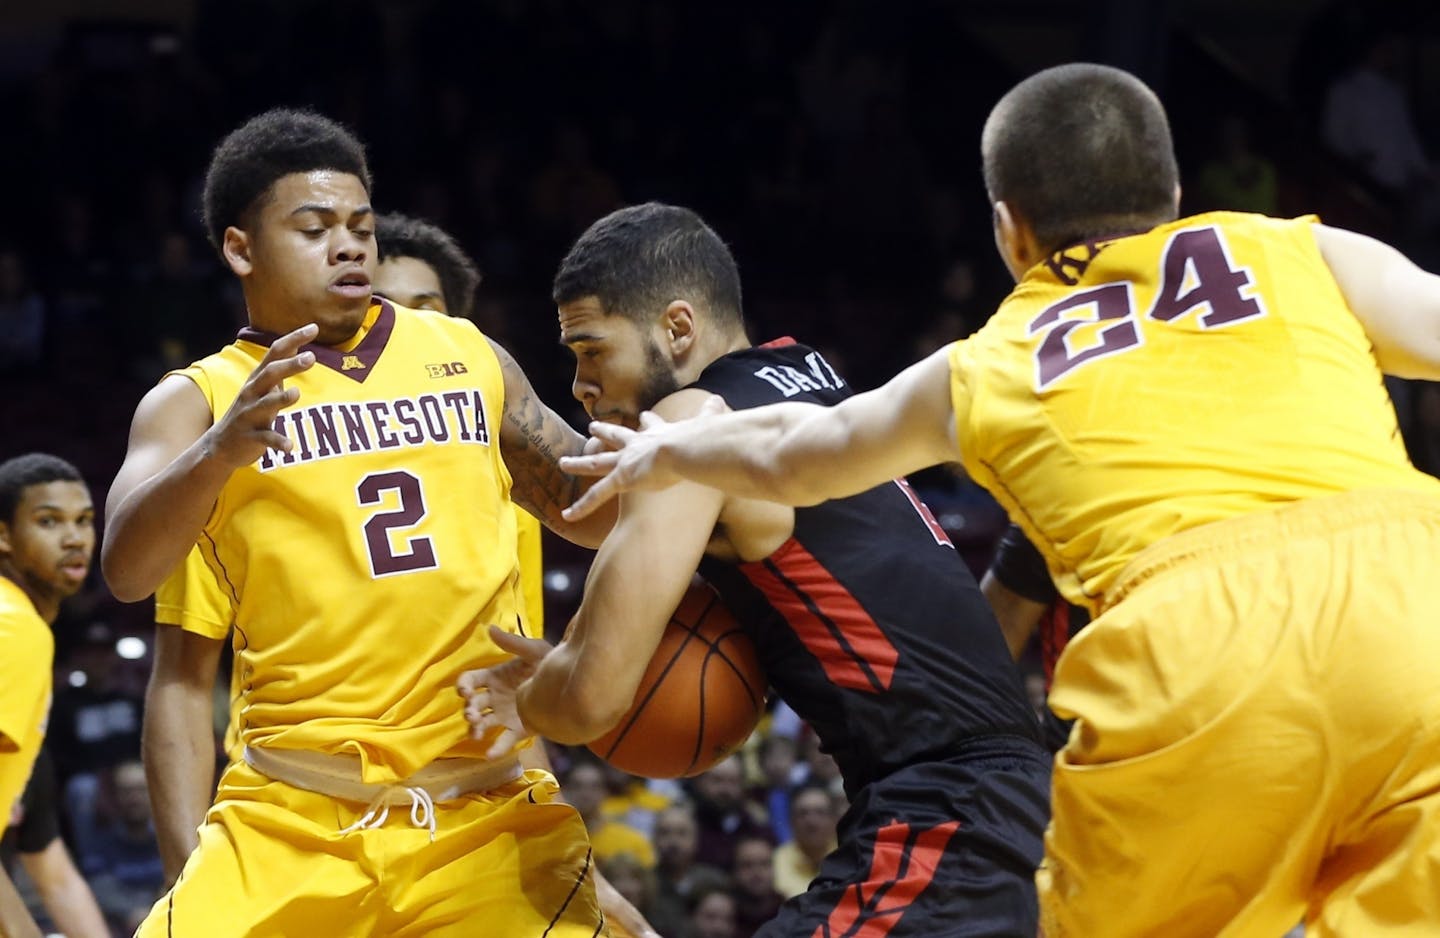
(1197, 276)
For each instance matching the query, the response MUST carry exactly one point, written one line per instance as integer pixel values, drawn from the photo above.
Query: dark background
(835, 145)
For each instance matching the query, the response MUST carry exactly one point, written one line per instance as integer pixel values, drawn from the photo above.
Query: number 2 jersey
(364, 566)
(1133, 388)
(866, 620)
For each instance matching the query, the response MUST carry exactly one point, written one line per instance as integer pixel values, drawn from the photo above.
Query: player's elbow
(125, 581)
(597, 708)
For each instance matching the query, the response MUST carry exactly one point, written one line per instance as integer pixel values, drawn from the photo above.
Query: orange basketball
(700, 698)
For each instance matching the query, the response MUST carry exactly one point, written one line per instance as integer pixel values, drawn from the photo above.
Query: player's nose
(586, 392)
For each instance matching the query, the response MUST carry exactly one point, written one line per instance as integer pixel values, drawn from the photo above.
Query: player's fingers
(587, 504)
(529, 649)
(472, 681)
(596, 464)
(713, 407)
(612, 434)
(276, 441)
(269, 376)
(291, 342)
(649, 420)
(503, 744)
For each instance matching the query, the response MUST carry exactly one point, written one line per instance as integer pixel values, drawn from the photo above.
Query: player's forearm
(65, 893)
(781, 452)
(154, 525)
(560, 704)
(179, 751)
(15, 920)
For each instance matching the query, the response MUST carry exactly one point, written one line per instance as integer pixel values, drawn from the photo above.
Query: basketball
(700, 698)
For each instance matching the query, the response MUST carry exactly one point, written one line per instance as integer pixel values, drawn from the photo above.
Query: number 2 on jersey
(1196, 273)
(419, 552)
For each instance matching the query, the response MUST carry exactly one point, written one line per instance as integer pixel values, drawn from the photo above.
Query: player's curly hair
(402, 236)
(21, 472)
(260, 151)
(1081, 151)
(635, 261)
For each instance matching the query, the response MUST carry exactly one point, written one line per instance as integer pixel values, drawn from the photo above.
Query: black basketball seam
(749, 691)
(638, 707)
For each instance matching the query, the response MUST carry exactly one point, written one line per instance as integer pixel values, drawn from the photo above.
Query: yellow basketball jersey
(27, 653)
(532, 572)
(363, 567)
(1133, 388)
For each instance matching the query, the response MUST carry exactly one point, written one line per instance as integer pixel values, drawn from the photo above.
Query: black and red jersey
(867, 622)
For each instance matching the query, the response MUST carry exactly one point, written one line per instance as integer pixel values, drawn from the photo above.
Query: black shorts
(933, 850)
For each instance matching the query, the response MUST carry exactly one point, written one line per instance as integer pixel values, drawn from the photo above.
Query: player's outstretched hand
(248, 428)
(626, 459)
(490, 692)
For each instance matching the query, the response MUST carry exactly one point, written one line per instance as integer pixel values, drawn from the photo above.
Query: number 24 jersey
(1135, 387)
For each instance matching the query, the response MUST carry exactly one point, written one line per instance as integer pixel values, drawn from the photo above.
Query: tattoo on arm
(532, 440)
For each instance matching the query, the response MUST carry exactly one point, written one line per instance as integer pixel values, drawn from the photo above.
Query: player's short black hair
(1080, 151)
(402, 236)
(268, 146)
(21, 472)
(638, 259)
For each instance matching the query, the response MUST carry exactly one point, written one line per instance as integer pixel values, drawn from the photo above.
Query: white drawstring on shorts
(422, 810)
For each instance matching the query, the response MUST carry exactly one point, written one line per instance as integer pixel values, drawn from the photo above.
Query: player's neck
(47, 605)
(715, 347)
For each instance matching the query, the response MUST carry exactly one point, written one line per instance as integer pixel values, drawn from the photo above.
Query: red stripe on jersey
(826, 617)
(781, 342)
(923, 510)
(899, 872)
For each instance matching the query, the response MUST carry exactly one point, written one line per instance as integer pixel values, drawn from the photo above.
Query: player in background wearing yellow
(47, 534)
(340, 466)
(1186, 416)
(420, 267)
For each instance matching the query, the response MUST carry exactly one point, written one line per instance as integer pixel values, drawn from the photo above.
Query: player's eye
(363, 233)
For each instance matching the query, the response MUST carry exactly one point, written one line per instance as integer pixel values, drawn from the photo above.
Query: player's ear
(5, 546)
(678, 325)
(1177, 198)
(1014, 240)
(235, 245)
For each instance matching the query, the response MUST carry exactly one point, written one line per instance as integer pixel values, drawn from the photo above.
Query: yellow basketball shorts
(1258, 733)
(272, 863)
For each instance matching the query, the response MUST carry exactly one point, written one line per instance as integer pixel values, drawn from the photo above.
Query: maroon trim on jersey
(781, 342)
(826, 617)
(361, 359)
(901, 866)
(1054, 636)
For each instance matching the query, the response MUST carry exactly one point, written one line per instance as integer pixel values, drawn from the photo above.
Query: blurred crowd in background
(833, 144)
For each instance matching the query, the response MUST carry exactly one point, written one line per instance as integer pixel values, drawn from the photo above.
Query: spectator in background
(634, 881)
(813, 820)
(1237, 178)
(124, 862)
(1367, 119)
(33, 838)
(713, 914)
(94, 726)
(779, 757)
(678, 877)
(633, 800)
(756, 899)
(22, 316)
(724, 813)
(583, 786)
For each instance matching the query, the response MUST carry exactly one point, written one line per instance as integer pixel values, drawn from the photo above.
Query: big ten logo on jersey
(324, 431)
(446, 369)
(1198, 279)
(791, 381)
